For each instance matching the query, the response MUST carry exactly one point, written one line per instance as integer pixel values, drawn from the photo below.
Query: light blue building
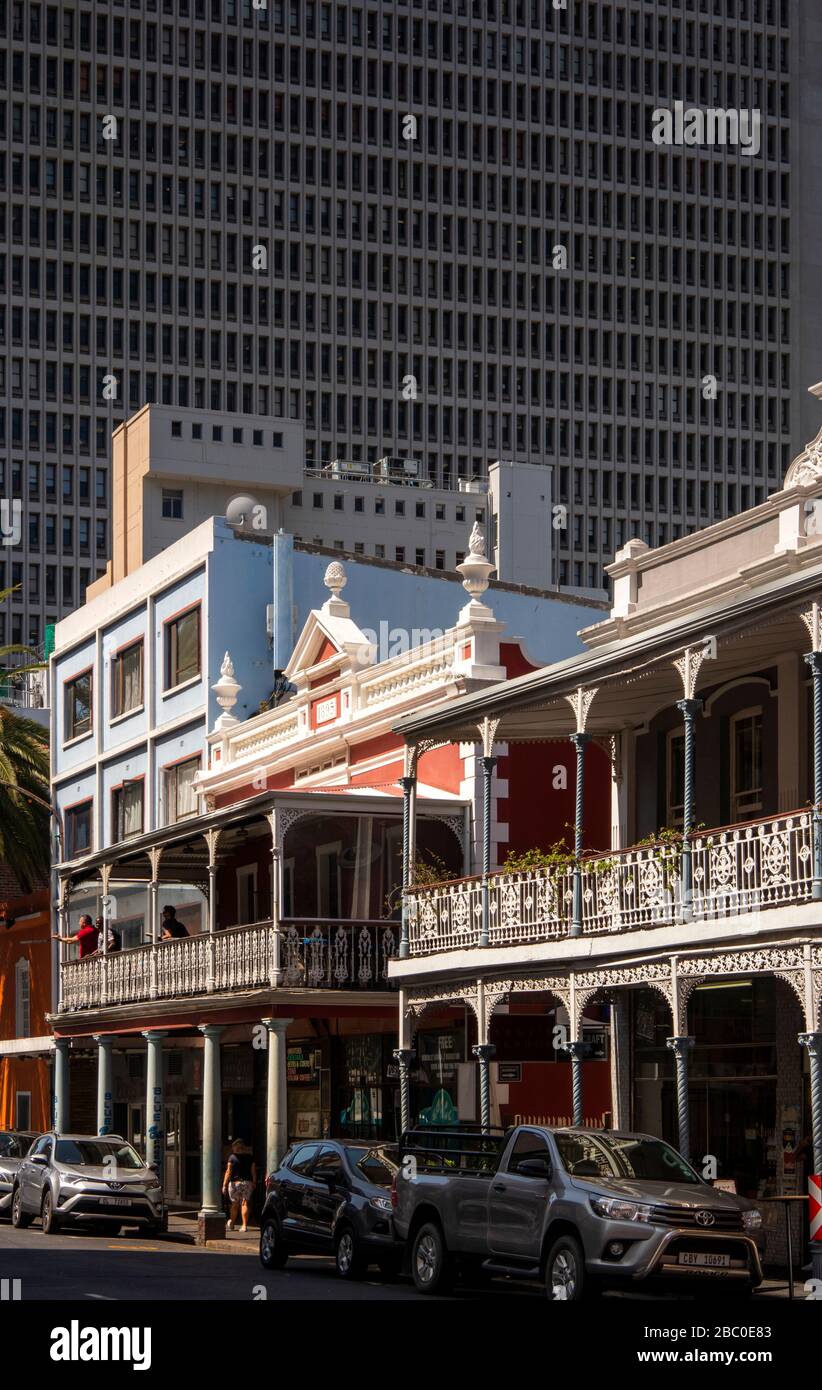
(133, 669)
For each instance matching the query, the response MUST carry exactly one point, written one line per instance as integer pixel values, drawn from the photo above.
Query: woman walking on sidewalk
(239, 1181)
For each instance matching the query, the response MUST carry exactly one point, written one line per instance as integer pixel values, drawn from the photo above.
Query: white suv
(86, 1179)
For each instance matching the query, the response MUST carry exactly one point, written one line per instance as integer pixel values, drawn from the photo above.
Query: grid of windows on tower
(209, 205)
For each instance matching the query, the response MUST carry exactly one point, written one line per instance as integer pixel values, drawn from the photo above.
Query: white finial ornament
(226, 689)
(335, 578)
(475, 570)
(476, 541)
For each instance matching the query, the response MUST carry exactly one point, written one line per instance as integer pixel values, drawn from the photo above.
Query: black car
(332, 1197)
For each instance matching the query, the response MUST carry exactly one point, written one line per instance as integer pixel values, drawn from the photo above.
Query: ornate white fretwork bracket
(418, 1000)
(812, 618)
(580, 703)
(688, 665)
(488, 732)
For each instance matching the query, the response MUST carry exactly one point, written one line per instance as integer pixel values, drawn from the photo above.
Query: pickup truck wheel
(431, 1265)
(565, 1270)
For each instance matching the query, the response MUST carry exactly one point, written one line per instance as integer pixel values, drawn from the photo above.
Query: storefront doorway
(172, 1151)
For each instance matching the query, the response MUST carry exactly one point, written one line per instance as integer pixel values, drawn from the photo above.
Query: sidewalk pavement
(182, 1228)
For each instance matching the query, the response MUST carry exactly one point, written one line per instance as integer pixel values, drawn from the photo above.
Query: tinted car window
(303, 1158)
(375, 1165)
(14, 1145)
(527, 1145)
(96, 1152)
(329, 1161)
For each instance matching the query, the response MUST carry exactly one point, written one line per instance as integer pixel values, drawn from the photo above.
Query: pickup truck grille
(684, 1218)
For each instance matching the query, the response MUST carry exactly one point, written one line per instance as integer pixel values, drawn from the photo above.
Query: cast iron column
(680, 1047)
(104, 1085)
(276, 1121)
(211, 1218)
(155, 1100)
(689, 710)
(488, 765)
(404, 1056)
(61, 1084)
(577, 1051)
(813, 1042)
(579, 741)
(814, 661)
(407, 784)
(484, 1053)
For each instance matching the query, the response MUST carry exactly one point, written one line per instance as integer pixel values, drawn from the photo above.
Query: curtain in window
(132, 804)
(186, 796)
(188, 646)
(132, 673)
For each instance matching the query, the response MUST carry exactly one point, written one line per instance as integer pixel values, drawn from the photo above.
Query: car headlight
(153, 1187)
(73, 1179)
(381, 1203)
(617, 1209)
(752, 1220)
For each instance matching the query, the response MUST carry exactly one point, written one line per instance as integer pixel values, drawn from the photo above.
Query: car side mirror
(40, 1158)
(535, 1168)
(153, 1167)
(331, 1176)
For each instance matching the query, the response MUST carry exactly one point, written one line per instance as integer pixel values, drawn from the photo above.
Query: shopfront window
(439, 1056)
(732, 1078)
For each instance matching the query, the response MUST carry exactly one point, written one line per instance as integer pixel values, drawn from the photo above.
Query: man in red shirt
(86, 936)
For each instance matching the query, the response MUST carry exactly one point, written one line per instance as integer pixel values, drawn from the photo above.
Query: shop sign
(509, 1071)
(302, 1063)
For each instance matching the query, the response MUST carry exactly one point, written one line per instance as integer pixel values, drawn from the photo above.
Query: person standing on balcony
(239, 1181)
(86, 936)
(172, 926)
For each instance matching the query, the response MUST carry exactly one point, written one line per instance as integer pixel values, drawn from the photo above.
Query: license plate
(115, 1201)
(705, 1261)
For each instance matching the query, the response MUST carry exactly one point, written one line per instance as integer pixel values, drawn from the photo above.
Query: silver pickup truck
(579, 1209)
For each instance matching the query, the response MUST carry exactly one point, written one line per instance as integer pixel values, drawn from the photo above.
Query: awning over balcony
(633, 676)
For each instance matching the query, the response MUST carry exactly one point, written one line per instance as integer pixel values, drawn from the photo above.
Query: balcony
(349, 955)
(735, 869)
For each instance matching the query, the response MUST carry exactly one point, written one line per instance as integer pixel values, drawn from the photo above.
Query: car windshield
(375, 1165)
(15, 1145)
(622, 1156)
(97, 1152)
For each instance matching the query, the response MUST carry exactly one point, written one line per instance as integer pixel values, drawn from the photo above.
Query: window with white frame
(22, 1110)
(127, 679)
(746, 764)
(328, 880)
(675, 779)
(127, 809)
(246, 894)
(22, 998)
(179, 790)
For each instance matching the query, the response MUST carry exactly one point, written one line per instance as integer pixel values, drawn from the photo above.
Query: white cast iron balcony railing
(336, 955)
(735, 869)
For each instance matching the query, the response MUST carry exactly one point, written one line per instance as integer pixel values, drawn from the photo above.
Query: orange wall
(30, 937)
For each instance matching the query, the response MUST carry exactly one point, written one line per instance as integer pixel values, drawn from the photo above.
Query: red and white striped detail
(815, 1206)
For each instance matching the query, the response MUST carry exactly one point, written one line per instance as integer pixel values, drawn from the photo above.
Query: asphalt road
(129, 1267)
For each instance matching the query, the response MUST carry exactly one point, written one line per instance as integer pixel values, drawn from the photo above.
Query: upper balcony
(288, 891)
(736, 869)
(341, 955)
